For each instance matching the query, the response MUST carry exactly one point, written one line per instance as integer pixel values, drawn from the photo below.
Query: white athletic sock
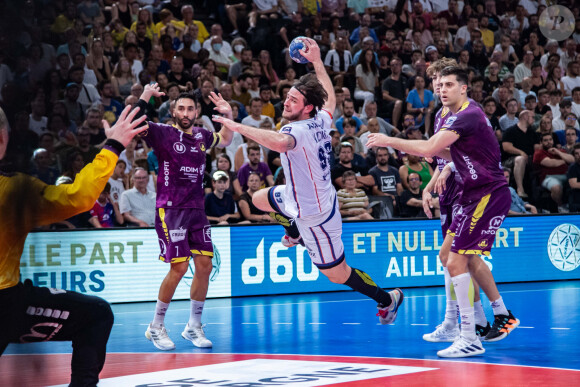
(480, 318)
(195, 314)
(499, 307)
(160, 310)
(464, 292)
(451, 310)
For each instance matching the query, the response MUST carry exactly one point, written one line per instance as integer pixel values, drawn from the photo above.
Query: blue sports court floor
(325, 339)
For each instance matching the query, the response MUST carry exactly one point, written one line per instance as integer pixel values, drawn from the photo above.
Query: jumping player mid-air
(308, 196)
(484, 203)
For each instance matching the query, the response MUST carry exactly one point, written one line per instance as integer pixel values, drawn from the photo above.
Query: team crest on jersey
(202, 147)
(450, 121)
(198, 136)
(286, 129)
(179, 147)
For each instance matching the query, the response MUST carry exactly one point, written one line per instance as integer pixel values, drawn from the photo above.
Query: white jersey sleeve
(309, 190)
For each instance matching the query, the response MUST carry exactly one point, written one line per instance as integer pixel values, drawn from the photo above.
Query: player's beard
(184, 123)
(293, 117)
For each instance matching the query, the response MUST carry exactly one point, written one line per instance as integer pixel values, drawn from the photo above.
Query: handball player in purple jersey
(484, 202)
(448, 184)
(181, 223)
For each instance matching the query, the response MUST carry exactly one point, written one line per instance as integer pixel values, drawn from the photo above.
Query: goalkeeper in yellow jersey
(29, 313)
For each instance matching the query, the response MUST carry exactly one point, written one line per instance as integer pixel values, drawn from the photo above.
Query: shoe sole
(504, 334)
(396, 309)
(462, 354)
(148, 336)
(194, 343)
(426, 338)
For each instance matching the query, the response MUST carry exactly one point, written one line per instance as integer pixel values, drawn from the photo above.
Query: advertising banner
(122, 265)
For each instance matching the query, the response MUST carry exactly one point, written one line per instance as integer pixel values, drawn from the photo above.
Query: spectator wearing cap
(220, 206)
(431, 53)
(345, 163)
(88, 93)
(367, 44)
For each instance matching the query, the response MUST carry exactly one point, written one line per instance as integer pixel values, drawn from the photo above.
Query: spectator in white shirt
(572, 78)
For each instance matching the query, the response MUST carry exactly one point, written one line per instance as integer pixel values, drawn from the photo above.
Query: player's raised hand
(221, 105)
(230, 124)
(378, 139)
(151, 90)
(125, 128)
(311, 51)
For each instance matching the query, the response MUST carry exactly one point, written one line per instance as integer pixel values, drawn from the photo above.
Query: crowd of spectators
(65, 65)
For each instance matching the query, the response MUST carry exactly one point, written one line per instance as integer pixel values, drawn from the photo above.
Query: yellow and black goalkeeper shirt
(26, 202)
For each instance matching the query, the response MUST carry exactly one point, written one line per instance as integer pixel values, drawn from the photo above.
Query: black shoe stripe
(464, 351)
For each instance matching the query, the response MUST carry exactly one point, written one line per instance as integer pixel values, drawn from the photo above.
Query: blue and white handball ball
(295, 46)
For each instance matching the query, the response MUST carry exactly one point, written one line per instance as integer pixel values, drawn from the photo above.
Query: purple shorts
(182, 232)
(475, 224)
(448, 212)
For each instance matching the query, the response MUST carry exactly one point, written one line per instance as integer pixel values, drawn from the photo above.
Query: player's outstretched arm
(63, 201)
(436, 145)
(275, 141)
(312, 53)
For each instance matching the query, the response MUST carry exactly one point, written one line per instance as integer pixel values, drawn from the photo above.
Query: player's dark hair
(190, 96)
(459, 73)
(312, 91)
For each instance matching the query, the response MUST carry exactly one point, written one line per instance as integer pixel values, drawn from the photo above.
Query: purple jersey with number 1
(181, 164)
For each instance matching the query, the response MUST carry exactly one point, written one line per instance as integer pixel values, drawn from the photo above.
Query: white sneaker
(463, 348)
(388, 314)
(291, 242)
(159, 338)
(442, 334)
(196, 336)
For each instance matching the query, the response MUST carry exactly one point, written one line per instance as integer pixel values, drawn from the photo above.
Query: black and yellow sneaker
(502, 326)
(482, 331)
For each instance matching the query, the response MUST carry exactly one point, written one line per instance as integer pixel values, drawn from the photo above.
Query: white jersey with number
(309, 190)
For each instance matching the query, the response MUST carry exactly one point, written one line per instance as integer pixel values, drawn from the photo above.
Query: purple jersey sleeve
(475, 153)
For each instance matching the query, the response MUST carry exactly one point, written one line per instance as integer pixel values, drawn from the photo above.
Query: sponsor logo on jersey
(198, 136)
(286, 129)
(177, 235)
(470, 167)
(179, 147)
(207, 233)
(450, 121)
(483, 244)
(166, 173)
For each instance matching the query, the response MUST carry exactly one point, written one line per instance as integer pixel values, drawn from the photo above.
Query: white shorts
(321, 233)
(552, 180)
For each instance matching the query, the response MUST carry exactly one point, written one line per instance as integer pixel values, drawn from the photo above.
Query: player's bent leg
(272, 201)
(85, 320)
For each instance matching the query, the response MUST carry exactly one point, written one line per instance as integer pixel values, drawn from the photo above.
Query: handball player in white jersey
(307, 205)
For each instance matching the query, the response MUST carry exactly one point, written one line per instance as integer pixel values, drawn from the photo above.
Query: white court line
(331, 302)
(350, 323)
(561, 329)
(253, 323)
(423, 325)
(521, 327)
(210, 323)
(283, 323)
(317, 323)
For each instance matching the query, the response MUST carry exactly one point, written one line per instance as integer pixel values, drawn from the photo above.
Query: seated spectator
(414, 164)
(509, 119)
(256, 116)
(250, 213)
(352, 202)
(411, 199)
(346, 155)
(257, 167)
(224, 163)
(367, 77)
(518, 206)
(571, 122)
(137, 204)
(561, 122)
(118, 181)
(347, 113)
(574, 181)
(420, 102)
(220, 206)
(349, 130)
(518, 146)
(41, 167)
(105, 213)
(241, 152)
(370, 111)
(387, 178)
(571, 139)
(552, 164)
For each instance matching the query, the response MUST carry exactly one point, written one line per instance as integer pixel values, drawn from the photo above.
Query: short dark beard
(182, 126)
